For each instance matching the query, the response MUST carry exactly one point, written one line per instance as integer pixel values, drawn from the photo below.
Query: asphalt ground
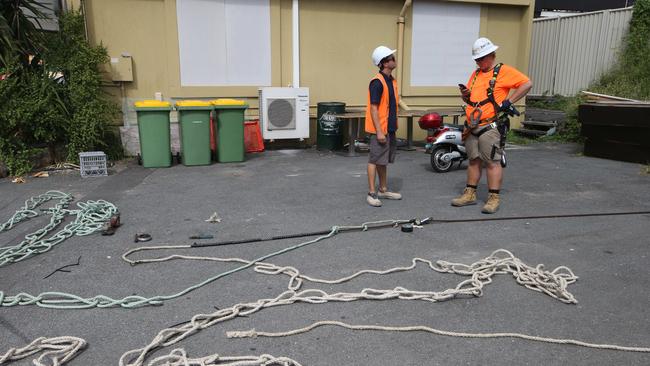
(292, 191)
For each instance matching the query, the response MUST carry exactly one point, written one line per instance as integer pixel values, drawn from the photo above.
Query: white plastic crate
(92, 164)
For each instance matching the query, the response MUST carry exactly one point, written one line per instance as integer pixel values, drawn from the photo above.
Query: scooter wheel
(436, 159)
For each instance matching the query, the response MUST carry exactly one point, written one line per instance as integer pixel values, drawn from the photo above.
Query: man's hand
(505, 105)
(465, 93)
(381, 138)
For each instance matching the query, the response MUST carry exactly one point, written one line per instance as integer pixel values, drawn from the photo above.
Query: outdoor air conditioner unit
(284, 113)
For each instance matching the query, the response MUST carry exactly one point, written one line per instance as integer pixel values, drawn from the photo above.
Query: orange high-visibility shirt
(509, 78)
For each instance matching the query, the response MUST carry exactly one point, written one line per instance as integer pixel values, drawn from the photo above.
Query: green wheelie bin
(230, 130)
(194, 123)
(153, 130)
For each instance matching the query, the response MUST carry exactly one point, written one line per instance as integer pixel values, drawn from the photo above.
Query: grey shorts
(481, 147)
(382, 154)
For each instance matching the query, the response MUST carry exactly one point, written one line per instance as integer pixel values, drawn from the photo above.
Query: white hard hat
(483, 47)
(379, 53)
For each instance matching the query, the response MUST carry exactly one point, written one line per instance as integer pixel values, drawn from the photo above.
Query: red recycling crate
(253, 140)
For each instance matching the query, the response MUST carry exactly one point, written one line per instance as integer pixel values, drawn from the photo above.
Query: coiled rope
(57, 351)
(89, 218)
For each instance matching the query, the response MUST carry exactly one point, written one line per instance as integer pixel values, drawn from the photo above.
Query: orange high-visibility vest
(383, 106)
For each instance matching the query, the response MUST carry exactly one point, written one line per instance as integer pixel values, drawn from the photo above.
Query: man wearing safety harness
(484, 135)
(381, 124)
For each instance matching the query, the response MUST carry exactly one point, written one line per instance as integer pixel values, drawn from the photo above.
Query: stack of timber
(616, 128)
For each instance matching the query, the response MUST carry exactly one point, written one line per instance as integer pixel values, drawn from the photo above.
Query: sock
(471, 186)
(494, 191)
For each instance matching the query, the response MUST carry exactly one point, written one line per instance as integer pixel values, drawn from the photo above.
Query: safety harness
(477, 112)
(502, 124)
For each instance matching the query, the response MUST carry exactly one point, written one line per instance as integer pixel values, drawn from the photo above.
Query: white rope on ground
(419, 328)
(62, 300)
(89, 218)
(554, 284)
(56, 351)
(501, 261)
(178, 357)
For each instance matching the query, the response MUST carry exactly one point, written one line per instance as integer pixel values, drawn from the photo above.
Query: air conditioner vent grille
(281, 114)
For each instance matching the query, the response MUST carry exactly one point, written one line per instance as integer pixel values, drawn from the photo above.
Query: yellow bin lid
(193, 103)
(152, 104)
(225, 101)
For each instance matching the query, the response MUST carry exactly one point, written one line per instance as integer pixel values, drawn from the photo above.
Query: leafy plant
(630, 78)
(19, 36)
(57, 101)
(89, 106)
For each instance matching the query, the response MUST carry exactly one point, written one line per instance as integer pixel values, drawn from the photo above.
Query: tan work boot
(492, 204)
(467, 198)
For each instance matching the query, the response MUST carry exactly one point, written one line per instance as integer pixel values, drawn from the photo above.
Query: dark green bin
(329, 135)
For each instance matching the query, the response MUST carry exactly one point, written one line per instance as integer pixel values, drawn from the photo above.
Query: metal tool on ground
(214, 218)
(142, 237)
(407, 228)
(424, 221)
(111, 226)
(389, 223)
(202, 236)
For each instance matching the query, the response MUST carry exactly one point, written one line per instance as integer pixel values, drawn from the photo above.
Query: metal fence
(569, 53)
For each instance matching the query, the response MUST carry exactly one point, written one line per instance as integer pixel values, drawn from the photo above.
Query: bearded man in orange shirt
(488, 93)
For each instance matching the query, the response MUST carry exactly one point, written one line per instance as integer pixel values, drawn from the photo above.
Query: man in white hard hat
(492, 88)
(381, 124)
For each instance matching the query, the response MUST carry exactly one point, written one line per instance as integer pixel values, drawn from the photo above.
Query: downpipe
(400, 54)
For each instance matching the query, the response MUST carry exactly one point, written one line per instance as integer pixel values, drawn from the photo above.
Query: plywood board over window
(443, 34)
(224, 42)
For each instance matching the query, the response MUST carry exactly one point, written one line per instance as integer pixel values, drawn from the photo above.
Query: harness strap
(490, 89)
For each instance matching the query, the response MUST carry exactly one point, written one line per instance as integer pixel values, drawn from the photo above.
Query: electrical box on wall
(122, 68)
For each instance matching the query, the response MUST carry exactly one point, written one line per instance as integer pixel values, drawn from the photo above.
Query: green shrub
(57, 101)
(629, 78)
(90, 107)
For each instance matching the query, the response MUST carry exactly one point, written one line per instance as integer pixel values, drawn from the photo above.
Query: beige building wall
(336, 40)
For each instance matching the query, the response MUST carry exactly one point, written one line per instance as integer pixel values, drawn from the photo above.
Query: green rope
(62, 300)
(89, 218)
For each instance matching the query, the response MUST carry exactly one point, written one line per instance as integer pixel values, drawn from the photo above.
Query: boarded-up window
(224, 42)
(443, 35)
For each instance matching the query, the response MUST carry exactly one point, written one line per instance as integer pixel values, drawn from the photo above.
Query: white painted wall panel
(224, 42)
(443, 34)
